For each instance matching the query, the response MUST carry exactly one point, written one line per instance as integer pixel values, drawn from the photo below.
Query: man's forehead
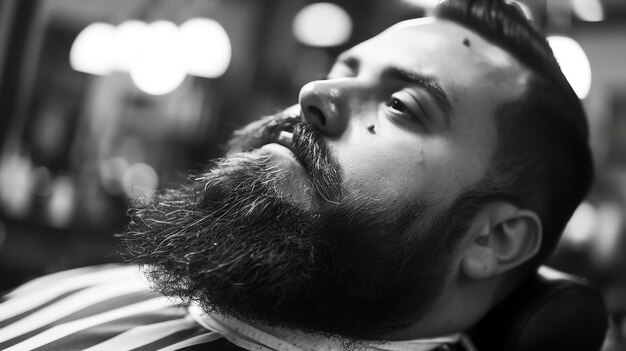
(445, 42)
(412, 22)
(459, 35)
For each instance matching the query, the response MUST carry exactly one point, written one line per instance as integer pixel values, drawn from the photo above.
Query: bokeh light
(581, 226)
(588, 10)
(91, 51)
(61, 205)
(140, 181)
(206, 46)
(16, 184)
(125, 44)
(322, 24)
(574, 63)
(159, 67)
(158, 56)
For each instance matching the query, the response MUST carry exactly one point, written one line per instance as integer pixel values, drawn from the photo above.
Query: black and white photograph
(303, 175)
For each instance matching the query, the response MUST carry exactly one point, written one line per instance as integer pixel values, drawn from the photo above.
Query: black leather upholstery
(545, 314)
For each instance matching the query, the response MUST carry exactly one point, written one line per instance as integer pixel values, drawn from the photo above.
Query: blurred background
(102, 101)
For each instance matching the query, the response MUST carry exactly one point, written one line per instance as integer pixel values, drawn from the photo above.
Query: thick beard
(230, 241)
(222, 235)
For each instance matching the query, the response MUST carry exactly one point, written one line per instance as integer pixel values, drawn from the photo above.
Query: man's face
(332, 225)
(428, 91)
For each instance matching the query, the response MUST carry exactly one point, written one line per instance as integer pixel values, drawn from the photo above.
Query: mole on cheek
(466, 42)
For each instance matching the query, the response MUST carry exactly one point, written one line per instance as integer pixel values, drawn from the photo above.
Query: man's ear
(502, 237)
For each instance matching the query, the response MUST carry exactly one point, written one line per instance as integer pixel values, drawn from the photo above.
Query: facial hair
(232, 241)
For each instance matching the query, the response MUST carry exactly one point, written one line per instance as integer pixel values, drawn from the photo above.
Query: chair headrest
(547, 312)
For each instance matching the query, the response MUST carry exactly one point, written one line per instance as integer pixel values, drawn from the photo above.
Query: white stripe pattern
(60, 331)
(196, 340)
(143, 335)
(104, 272)
(42, 290)
(74, 303)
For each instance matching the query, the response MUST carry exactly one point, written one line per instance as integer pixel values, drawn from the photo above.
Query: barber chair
(551, 311)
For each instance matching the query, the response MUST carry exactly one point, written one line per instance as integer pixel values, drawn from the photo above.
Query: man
(403, 198)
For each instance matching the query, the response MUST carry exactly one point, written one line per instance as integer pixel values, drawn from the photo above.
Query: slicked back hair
(542, 160)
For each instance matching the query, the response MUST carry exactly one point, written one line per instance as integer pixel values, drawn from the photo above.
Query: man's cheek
(379, 176)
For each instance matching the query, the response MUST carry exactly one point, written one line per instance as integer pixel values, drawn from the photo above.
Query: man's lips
(285, 139)
(283, 147)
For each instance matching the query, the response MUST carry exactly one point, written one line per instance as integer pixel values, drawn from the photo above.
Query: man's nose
(323, 105)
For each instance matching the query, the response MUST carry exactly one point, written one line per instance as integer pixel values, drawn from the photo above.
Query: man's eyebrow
(430, 83)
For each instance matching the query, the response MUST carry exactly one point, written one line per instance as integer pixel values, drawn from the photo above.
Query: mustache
(314, 153)
(308, 145)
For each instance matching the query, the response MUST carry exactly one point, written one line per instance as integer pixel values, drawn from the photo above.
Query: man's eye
(405, 106)
(397, 105)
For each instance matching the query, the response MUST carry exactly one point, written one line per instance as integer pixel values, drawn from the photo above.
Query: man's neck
(282, 339)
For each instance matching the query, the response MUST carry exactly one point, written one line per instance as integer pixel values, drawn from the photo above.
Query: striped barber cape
(98, 308)
(110, 308)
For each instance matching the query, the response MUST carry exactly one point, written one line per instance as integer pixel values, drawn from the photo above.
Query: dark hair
(543, 162)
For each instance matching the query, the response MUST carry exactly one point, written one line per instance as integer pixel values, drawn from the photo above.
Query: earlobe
(480, 264)
(479, 261)
(508, 237)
